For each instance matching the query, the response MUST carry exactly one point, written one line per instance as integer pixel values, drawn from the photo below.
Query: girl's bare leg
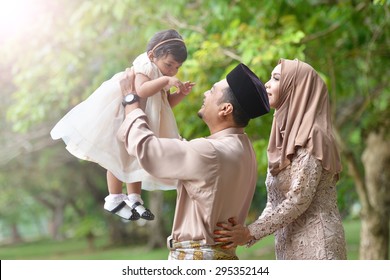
(114, 184)
(134, 188)
(115, 202)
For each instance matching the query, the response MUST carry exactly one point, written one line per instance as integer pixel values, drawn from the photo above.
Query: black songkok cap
(249, 91)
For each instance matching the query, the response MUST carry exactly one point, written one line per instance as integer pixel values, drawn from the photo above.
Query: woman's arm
(307, 173)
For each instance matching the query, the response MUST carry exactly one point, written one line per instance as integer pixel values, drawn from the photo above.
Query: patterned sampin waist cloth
(198, 250)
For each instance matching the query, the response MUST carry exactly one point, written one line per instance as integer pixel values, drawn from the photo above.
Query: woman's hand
(232, 233)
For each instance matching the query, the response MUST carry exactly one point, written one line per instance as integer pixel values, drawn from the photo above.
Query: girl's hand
(182, 88)
(186, 89)
(174, 82)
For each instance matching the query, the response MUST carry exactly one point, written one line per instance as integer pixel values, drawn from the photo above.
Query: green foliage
(17, 206)
(88, 226)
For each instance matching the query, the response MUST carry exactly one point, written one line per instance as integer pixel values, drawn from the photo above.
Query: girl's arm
(146, 87)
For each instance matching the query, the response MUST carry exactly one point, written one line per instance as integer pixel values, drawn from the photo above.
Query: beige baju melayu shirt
(217, 175)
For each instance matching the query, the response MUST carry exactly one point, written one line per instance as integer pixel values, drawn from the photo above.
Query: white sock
(133, 198)
(115, 197)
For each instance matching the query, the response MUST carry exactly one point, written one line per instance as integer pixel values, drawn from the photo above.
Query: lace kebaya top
(302, 212)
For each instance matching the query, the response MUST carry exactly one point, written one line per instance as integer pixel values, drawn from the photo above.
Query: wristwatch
(130, 98)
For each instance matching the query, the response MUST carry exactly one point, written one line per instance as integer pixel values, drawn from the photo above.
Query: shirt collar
(226, 131)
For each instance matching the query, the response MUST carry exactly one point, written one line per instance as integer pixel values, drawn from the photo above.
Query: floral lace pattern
(302, 212)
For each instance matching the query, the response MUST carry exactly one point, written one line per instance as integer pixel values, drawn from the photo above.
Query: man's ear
(226, 109)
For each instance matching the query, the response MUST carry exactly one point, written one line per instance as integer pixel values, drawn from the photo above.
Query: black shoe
(122, 210)
(134, 216)
(146, 215)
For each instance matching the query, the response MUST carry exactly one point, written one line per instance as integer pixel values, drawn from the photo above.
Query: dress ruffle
(89, 129)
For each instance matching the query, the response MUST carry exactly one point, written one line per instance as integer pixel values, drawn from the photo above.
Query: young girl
(89, 129)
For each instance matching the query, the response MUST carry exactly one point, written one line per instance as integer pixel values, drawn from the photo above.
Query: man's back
(221, 189)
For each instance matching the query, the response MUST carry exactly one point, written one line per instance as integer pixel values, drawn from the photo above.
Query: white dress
(89, 130)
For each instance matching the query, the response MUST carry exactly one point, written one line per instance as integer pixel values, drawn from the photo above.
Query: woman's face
(272, 86)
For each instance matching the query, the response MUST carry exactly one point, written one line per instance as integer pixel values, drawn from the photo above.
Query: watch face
(129, 98)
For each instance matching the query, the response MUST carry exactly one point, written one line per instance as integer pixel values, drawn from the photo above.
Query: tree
(356, 72)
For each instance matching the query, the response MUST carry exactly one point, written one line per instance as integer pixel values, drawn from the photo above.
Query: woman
(303, 168)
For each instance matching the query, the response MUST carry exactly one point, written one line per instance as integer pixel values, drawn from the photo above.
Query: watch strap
(135, 99)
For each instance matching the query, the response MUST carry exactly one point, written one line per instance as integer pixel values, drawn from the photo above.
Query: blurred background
(54, 54)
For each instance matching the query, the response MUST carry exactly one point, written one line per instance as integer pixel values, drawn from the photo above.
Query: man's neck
(224, 126)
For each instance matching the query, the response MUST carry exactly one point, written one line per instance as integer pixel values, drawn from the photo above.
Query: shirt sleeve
(142, 65)
(307, 171)
(166, 158)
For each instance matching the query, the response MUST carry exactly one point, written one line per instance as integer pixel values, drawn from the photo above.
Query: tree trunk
(57, 221)
(16, 237)
(374, 242)
(374, 236)
(120, 232)
(91, 241)
(157, 237)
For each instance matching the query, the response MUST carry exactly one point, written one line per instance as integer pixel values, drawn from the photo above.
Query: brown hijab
(302, 119)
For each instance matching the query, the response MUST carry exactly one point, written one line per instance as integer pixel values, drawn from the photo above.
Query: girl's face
(272, 86)
(167, 65)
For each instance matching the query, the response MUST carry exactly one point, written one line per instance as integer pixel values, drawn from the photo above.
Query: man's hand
(127, 86)
(127, 82)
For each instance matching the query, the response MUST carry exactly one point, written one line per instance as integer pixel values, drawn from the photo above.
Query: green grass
(78, 249)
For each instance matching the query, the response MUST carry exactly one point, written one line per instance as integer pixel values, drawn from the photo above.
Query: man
(217, 175)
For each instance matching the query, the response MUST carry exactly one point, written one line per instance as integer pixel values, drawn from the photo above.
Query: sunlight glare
(15, 16)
